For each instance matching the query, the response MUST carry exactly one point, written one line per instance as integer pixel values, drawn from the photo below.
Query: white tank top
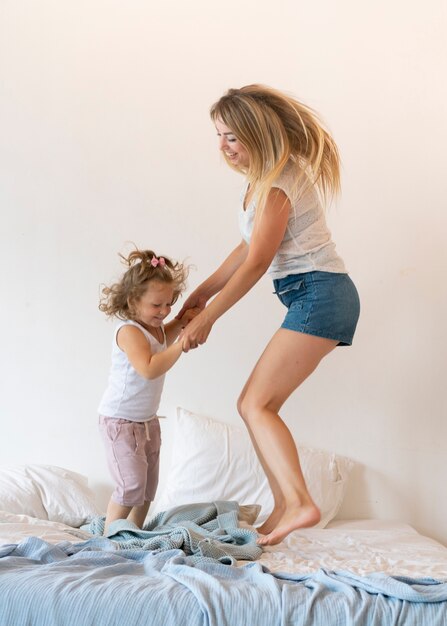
(129, 395)
(307, 245)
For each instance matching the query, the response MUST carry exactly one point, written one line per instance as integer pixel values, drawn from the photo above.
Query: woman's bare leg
(288, 360)
(278, 497)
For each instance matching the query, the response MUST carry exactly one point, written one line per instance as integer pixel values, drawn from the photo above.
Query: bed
(196, 562)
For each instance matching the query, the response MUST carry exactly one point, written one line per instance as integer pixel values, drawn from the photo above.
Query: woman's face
(235, 152)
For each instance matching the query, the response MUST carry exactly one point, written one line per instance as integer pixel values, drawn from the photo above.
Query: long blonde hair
(143, 266)
(277, 130)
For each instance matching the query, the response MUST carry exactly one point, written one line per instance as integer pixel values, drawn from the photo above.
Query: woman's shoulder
(288, 179)
(295, 184)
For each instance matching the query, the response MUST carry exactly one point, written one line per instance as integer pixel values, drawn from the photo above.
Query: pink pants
(133, 454)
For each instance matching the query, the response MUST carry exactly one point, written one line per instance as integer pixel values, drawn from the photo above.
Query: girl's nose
(222, 142)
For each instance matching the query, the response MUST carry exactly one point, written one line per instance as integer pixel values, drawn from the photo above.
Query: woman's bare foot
(272, 521)
(294, 517)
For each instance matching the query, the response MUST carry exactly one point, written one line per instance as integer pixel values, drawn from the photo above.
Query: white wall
(105, 139)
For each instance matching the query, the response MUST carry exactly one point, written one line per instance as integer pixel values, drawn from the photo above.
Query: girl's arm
(214, 283)
(138, 350)
(268, 232)
(173, 330)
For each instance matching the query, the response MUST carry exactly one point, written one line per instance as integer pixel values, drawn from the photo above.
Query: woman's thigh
(289, 358)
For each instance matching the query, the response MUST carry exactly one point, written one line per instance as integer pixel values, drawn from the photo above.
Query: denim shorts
(325, 304)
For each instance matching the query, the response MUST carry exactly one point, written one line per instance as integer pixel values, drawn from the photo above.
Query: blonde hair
(144, 266)
(277, 130)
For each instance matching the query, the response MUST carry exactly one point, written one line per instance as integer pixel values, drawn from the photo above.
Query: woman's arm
(268, 233)
(214, 283)
(138, 350)
(175, 326)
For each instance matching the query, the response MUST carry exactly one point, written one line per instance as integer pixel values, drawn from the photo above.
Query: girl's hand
(197, 331)
(194, 301)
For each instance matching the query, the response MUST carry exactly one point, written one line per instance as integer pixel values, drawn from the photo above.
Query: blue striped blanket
(206, 529)
(100, 582)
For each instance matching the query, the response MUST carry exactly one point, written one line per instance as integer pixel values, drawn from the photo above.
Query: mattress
(358, 546)
(350, 574)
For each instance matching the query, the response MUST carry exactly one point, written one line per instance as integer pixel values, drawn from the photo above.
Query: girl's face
(235, 152)
(155, 304)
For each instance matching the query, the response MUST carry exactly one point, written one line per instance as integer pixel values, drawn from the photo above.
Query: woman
(291, 165)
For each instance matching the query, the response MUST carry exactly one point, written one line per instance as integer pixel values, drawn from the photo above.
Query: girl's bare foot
(272, 521)
(294, 517)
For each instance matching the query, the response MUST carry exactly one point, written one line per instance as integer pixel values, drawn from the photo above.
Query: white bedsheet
(358, 546)
(361, 547)
(14, 528)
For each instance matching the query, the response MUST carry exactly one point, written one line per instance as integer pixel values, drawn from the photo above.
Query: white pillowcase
(216, 461)
(48, 493)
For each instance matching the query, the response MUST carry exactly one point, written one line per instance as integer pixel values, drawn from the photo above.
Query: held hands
(189, 315)
(196, 323)
(196, 332)
(193, 302)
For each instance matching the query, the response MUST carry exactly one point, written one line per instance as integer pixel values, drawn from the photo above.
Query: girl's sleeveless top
(129, 395)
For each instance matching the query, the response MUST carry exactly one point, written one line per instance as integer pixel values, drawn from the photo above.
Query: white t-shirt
(129, 395)
(307, 245)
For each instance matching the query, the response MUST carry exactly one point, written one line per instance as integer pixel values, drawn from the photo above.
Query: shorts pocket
(122, 437)
(288, 293)
(293, 286)
(111, 429)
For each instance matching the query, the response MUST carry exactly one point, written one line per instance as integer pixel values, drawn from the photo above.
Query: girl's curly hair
(143, 267)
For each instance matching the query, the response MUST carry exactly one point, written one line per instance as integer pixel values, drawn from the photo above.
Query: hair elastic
(160, 261)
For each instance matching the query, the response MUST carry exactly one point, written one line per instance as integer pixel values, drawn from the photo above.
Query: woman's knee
(245, 407)
(241, 404)
(250, 408)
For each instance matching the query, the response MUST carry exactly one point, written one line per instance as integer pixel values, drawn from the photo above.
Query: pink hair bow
(159, 261)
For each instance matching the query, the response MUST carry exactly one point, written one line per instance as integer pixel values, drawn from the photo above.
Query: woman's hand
(194, 301)
(189, 315)
(197, 331)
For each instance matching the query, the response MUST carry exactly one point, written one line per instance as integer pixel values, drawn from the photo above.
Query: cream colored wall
(105, 139)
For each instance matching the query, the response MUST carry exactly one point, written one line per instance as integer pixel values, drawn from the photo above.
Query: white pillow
(47, 492)
(216, 461)
(18, 493)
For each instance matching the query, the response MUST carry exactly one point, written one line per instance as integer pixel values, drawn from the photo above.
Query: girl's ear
(131, 305)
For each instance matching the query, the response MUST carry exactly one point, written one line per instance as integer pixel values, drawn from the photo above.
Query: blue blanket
(206, 529)
(100, 583)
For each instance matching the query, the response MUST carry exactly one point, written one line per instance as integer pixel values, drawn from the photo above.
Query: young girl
(144, 349)
(290, 163)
